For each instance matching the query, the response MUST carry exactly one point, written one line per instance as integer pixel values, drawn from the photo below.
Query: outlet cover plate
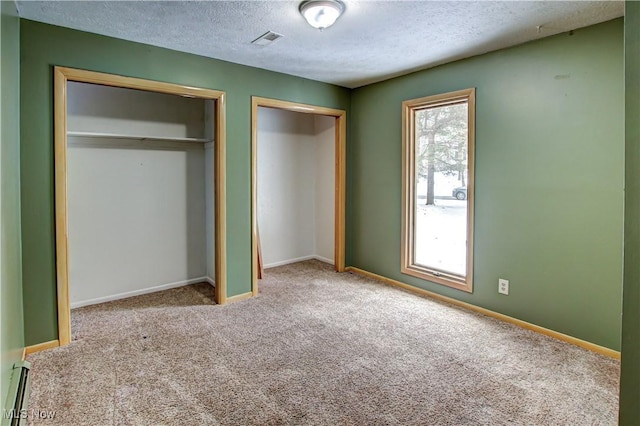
(503, 286)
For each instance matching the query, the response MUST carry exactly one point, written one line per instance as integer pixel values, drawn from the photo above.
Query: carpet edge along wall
(549, 179)
(44, 46)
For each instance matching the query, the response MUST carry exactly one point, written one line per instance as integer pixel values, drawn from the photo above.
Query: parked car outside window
(460, 193)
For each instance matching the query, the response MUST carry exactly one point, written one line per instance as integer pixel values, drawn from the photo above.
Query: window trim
(408, 266)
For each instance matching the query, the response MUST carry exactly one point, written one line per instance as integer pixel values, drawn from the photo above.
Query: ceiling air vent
(267, 38)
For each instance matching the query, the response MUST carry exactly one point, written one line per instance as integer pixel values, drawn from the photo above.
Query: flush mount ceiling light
(321, 14)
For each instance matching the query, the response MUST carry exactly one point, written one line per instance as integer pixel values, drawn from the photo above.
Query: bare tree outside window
(441, 135)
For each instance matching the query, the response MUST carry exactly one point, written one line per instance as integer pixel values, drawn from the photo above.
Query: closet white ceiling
(372, 41)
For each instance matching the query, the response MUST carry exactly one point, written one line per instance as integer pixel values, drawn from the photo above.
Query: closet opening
(139, 181)
(298, 184)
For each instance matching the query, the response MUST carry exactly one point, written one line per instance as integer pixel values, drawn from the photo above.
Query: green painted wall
(549, 179)
(10, 267)
(630, 377)
(549, 171)
(42, 47)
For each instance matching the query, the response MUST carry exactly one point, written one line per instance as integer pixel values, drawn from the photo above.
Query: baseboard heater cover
(20, 381)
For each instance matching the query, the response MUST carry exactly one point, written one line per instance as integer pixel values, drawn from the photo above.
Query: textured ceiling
(372, 41)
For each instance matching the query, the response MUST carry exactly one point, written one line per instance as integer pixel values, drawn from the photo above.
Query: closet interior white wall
(298, 181)
(139, 183)
(138, 202)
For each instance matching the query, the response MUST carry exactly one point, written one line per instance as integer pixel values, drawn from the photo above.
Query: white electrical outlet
(503, 286)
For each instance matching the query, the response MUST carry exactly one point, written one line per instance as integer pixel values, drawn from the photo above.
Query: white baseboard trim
(210, 281)
(324, 259)
(298, 259)
(288, 261)
(119, 296)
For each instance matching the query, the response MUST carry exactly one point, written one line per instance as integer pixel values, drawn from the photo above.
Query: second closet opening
(298, 182)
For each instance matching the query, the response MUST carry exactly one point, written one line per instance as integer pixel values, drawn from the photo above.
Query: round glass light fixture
(321, 14)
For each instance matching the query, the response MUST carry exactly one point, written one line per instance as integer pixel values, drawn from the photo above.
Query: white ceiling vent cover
(267, 38)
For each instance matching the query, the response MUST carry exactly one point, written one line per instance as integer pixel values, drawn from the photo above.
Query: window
(437, 169)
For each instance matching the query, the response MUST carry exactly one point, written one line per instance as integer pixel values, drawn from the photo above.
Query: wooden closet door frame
(340, 176)
(62, 75)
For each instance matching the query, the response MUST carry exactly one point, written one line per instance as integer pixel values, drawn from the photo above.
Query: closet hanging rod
(137, 137)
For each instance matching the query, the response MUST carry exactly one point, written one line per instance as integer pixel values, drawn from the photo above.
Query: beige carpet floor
(315, 348)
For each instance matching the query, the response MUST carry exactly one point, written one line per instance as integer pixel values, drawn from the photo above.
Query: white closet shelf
(136, 137)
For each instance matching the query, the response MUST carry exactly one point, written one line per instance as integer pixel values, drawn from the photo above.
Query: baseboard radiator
(17, 413)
